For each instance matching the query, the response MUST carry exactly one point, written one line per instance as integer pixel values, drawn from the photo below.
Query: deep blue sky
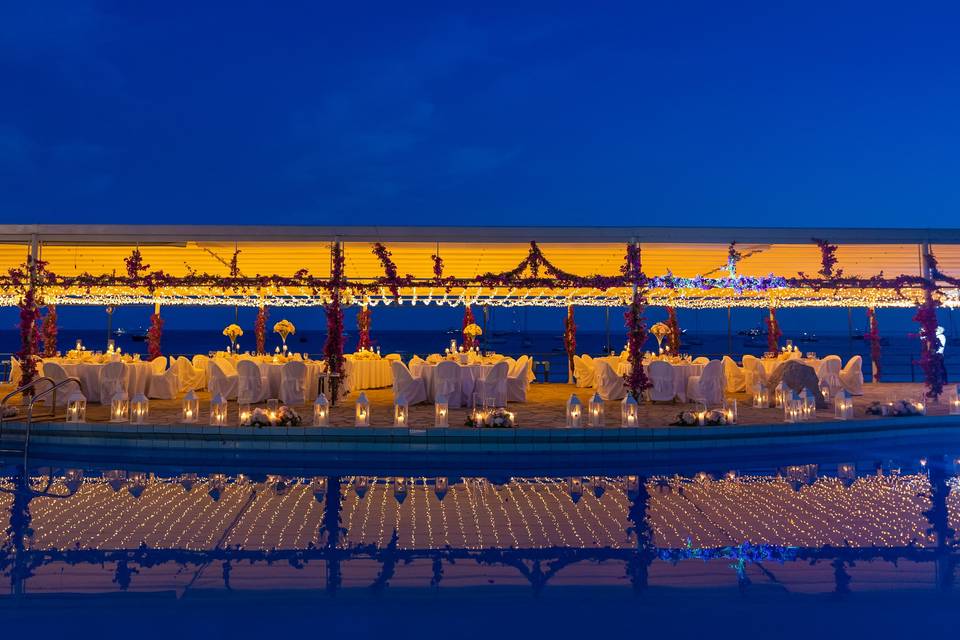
(318, 112)
(359, 113)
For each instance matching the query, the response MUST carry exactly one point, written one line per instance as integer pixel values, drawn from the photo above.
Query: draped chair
(406, 387)
(519, 382)
(607, 382)
(223, 379)
(113, 380)
(252, 385)
(661, 377)
(293, 383)
(753, 373)
(708, 386)
(829, 373)
(583, 373)
(57, 373)
(446, 382)
(494, 384)
(202, 364)
(163, 383)
(851, 376)
(736, 381)
(190, 377)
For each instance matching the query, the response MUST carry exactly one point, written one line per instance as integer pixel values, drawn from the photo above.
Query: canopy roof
(201, 265)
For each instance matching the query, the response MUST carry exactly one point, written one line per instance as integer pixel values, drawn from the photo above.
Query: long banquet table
(137, 376)
(470, 375)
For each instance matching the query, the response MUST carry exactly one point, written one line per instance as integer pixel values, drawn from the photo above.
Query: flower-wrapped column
(333, 347)
(363, 328)
(636, 380)
(773, 332)
(155, 334)
(49, 332)
(931, 350)
(469, 339)
(674, 337)
(29, 337)
(570, 341)
(873, 337)
(260, 330)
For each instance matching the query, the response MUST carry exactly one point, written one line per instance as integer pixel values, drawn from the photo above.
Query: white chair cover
(202, 364)
(829, 374)
(113, 380)
(583, 373)
(494, 384)
(753, 373)
(57, 373)
(446, 382)
(293, 383)
(223, 379)
(708, 386)
(164, 383)
(736, 381)
(393, 357)
(518, 383)
(661, 376)
(405, 386)
(852, 376)
(416, 365)
(190, 378)
(607, 383)
(16, 371)
(252, 385)
(701, 360)
(520, 362)
(434, 358)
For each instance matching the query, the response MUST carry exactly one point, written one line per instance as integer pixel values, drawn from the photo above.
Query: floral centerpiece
(713, 418)
(284, 417)
(233, 331)
(366, 355)
(495, 418)
(660, 331)
(284, 328)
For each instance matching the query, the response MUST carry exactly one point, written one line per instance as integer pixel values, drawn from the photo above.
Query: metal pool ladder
(53, 407)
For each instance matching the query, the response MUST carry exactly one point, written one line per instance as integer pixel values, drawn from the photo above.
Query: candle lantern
(953, 398)
(190, 408)
(120, 407)
(401, 413)
(362, 414)
(782, 394)
(596, 411)
(792, 408)
(273, 406)
(761, 397)
(808, 405)
(825, 391)
(847, 473)
(701, 414)
(730, 410)
(921, 405)
(574, 412)
(244, 414)
(843, 405)
(139, 409)
(629, 412)
(321, 411)
(218, 410)
(76, 407)
(441, 412)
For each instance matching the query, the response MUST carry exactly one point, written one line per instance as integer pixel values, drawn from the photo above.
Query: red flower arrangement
(636, 380)
(154, 335)
(570, 335)
(931, 360)
(674, 338)
(391, 279)
(29, 336)
(873, 337)
(260, 330)
(773, 332)
(49, 332)
(828, 258)
(469, 342)
(363, 328)
(333, 347)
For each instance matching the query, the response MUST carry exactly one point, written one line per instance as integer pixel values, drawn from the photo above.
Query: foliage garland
(363, 328)
(154, 336)
(333, 347)
(636, 379)
(49, 332)
(260, 329)
(570, 336)
(873, 337)
(674, 338)
(773, 331)
(931, 360)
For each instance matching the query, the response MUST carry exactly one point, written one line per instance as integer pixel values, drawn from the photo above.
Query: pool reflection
(802, 527)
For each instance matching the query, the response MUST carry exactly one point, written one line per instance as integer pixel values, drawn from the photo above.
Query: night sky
(354, 113)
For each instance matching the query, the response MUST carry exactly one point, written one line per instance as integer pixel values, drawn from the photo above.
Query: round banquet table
(137, 373)
(681, 374)
(770, 364)
(470, 374)
(273, 372)
(367, 374)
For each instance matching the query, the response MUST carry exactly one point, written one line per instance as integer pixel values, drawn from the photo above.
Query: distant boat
(138, 335)
(808, 337)
(752, 333)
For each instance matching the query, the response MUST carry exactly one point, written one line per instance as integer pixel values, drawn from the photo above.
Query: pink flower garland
(931, 360)
(674, 339)
(49, 331)
(154, 336)
(636, 380)
(29, 336)
(873, 337)
(828, 258)
(773, 332)
(363, 328)
(260, 330)
(333, 347)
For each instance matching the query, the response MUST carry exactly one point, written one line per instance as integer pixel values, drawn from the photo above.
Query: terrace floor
(544, 408)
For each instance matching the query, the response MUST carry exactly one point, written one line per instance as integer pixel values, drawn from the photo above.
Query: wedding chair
(494, 384)
(519, 382)
(511, 366)
(446, 382)
(661, 376)
(223, 379)
(852, 376)
(58, 374)
(701, 360)
(708, 386)
(202, 364)
(190, 378)
(521, 361)
(252, 385)
(113, 380)
(16, 372)
(753, 373)
(293, 383)
(416, 366)
(583, 372)
(434, 358)
(736, 381)
(406, 387)
(163, 383)
(393, 357)
(829, 373)
(607, 383)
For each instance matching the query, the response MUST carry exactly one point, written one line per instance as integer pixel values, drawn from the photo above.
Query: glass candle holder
(401, 414)
(139, 409)
(218, 411)
(76, 407)
(273, 407)
(120, 408)
(362, 411)
(629, 412)
(441, 412)
(730, 410)
(843, 406)
(321, 411)
(761, 398)
(574, 412)
(190, 408)
(953, 400)
(596, 411)
(244, 414)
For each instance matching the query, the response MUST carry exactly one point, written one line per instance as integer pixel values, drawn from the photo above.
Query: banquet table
(770, 364)
(470, 375)
(682, 371)
(367, 373)
(273, 372)
(137, 376)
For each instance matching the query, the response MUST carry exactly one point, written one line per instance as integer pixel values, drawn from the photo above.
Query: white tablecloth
(367, 374)
(273, 372)
(470, 374)
(137, 372)
(770, 364)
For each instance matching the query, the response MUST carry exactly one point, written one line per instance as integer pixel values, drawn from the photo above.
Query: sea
(898, 360)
